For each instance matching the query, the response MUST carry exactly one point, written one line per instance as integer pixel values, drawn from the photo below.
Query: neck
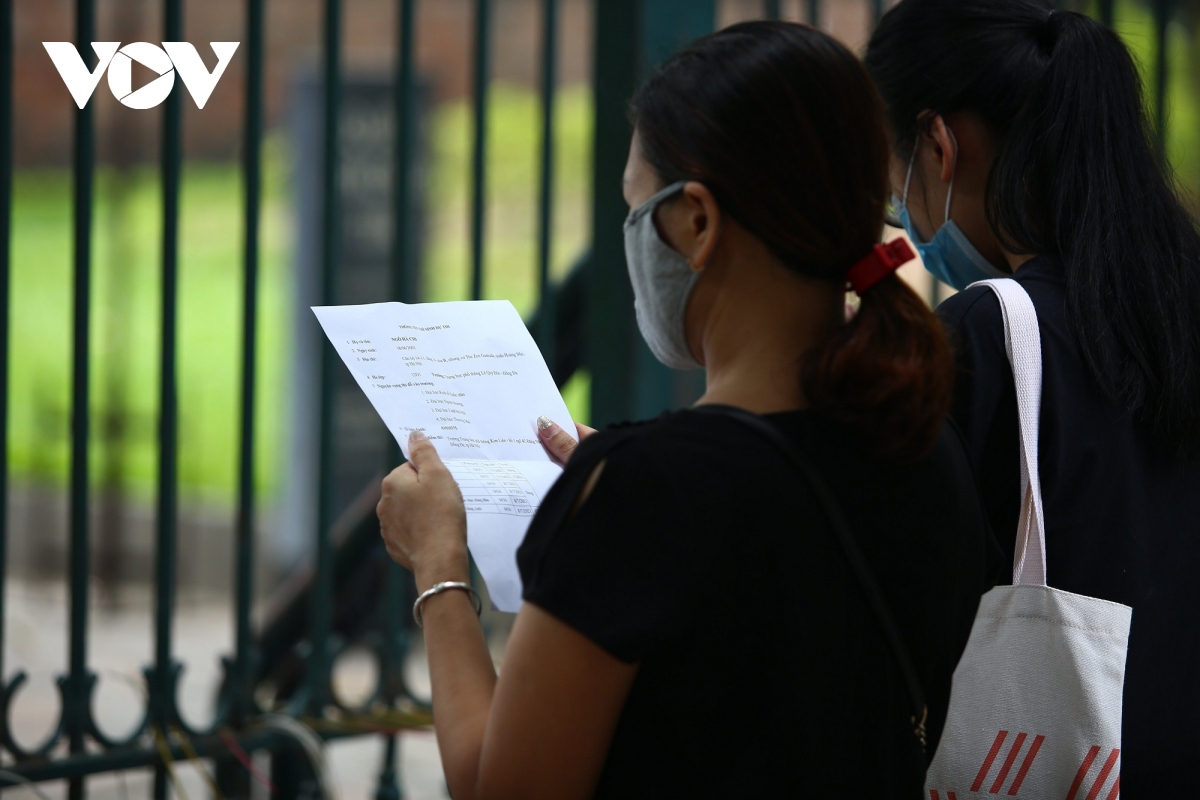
(757, 334)
(1016, 261)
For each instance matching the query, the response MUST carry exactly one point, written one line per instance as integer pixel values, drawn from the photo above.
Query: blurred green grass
(125, 325)
(126, 288)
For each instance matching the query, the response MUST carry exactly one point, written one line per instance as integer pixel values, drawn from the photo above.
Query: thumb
(421, 452)
(557, 442)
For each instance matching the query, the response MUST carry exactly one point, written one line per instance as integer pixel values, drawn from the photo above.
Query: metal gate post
(632, 36)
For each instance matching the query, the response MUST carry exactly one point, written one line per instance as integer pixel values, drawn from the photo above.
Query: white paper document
(468, 375)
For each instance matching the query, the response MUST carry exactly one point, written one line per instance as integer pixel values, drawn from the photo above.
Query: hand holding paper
(421, 517)
(469, 376)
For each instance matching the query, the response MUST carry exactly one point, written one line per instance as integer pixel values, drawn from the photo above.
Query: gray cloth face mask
(662, 283)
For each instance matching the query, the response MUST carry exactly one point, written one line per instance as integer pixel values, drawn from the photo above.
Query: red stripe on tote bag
(987, 762)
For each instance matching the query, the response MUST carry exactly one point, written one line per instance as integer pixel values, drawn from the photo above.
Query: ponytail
(1078, 177)
(887, 374)
(1081, 178)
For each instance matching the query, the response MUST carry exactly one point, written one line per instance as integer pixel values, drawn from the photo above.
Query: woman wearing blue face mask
(948, 254)
(696, 620)
(1021, 146)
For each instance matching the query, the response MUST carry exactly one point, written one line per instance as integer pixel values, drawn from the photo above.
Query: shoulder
(974, 324)
(624, 565)
(978, 308)
(645, 466)
(975, 307)
(655, 472)
(675, 439)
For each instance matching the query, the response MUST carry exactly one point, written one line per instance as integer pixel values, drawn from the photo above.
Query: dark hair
(783, 125)
(1079, 176)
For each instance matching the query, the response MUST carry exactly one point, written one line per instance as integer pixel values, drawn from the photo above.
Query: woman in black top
(1024, 128)
(691, 627)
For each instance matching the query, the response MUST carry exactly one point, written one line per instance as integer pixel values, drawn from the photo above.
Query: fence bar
(548, 317)
(609, 325)
(129, 758)
(242, 703)
(321, 608)
(771, 9)
(78, 683)
(877, 10)
(389, 788)
(1162, 17)
(392, 649)
(814, 13)
(6, 186)
(1106, 12)
(162, 692)
(405, 111)
(631, 37)
(478, 187)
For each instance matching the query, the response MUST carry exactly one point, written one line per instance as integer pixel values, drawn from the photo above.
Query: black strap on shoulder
(850, 548)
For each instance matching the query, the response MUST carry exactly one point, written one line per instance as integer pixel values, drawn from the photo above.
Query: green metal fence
(583, 322)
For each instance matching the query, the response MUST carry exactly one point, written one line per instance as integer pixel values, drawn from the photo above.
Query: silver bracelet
(438, 588)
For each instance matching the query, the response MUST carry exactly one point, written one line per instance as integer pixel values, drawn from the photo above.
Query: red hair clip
(882, 261)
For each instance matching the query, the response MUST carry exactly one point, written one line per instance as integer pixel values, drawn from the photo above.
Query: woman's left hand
(421, 515)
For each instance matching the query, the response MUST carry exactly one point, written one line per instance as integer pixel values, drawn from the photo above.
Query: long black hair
(784, 126)
(1078, 176)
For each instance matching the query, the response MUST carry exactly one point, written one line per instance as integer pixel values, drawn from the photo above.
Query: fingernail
(544, 423)
(418, 435)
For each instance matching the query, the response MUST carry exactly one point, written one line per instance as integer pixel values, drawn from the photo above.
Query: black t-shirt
(1122, 516)
(703, 555)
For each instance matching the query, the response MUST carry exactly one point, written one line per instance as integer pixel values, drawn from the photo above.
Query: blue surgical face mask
(949, 256)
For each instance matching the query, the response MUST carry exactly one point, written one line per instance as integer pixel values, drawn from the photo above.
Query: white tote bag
(1035, 705)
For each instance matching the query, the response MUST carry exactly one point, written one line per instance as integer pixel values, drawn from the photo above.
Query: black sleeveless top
(703, 556)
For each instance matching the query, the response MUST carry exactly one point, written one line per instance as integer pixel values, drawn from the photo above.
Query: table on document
(491, 487)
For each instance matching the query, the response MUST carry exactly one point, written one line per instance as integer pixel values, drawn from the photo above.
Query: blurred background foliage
(127, 283)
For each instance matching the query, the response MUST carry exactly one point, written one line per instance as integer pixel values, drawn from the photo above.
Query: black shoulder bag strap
(849, 545)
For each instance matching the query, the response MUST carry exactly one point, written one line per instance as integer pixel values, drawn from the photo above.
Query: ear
(702, 218)
(945, 147)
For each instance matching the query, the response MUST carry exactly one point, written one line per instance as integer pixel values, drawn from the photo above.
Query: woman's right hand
(558, 443)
